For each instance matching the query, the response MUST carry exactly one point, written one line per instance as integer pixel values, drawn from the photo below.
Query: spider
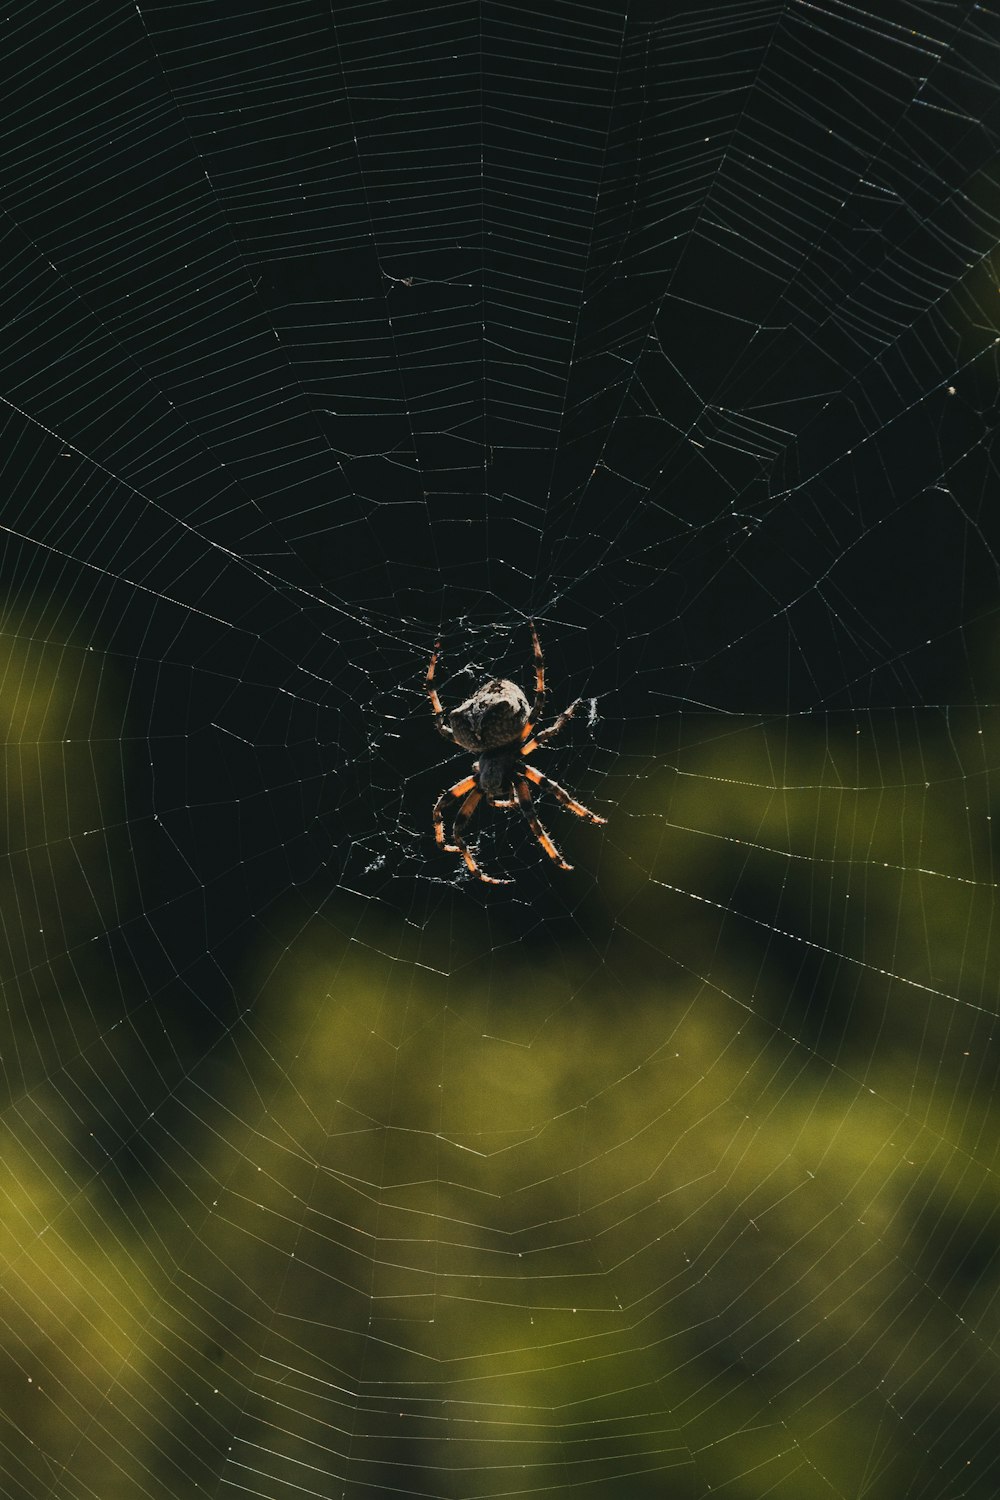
(497, 722)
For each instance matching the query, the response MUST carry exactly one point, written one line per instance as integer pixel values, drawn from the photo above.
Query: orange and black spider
(497, 723)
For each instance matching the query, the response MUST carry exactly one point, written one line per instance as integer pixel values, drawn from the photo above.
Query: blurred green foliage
(715, 1212)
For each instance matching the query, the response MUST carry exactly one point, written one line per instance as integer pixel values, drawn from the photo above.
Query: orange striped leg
(539, 671)
(436, 707)
(465, 812)
(460, 789)
(527, 807)
(473, 796)
(560, 723)
(540, 779)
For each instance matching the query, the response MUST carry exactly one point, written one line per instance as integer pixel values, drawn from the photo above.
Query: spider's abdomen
(494, 715)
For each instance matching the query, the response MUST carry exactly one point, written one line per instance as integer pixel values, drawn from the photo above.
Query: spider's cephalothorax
(497, 723)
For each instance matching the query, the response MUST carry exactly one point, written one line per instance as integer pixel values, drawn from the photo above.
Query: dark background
(330, 331)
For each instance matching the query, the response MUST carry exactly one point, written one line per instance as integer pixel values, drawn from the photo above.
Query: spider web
(330, 333)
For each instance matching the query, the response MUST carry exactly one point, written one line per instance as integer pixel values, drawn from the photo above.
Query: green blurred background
(705, 1205)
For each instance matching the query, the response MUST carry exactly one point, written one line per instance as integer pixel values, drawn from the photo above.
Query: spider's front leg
(505, 801)
(535, 738)
(560, 723)
(436, 707)
(539, 672)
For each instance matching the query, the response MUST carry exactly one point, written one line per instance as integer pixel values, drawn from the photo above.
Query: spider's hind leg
(463, 788)
(467, 789)
(561, 794)
(465, 812)
(527, 807)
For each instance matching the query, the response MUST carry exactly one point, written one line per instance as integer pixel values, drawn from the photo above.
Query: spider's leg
(560, 723)
(527, 807)
(459, 846)
(460, 789)
(468, 789)
(561, 795)
(438, 711)
(465, 812)
(539, 672)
